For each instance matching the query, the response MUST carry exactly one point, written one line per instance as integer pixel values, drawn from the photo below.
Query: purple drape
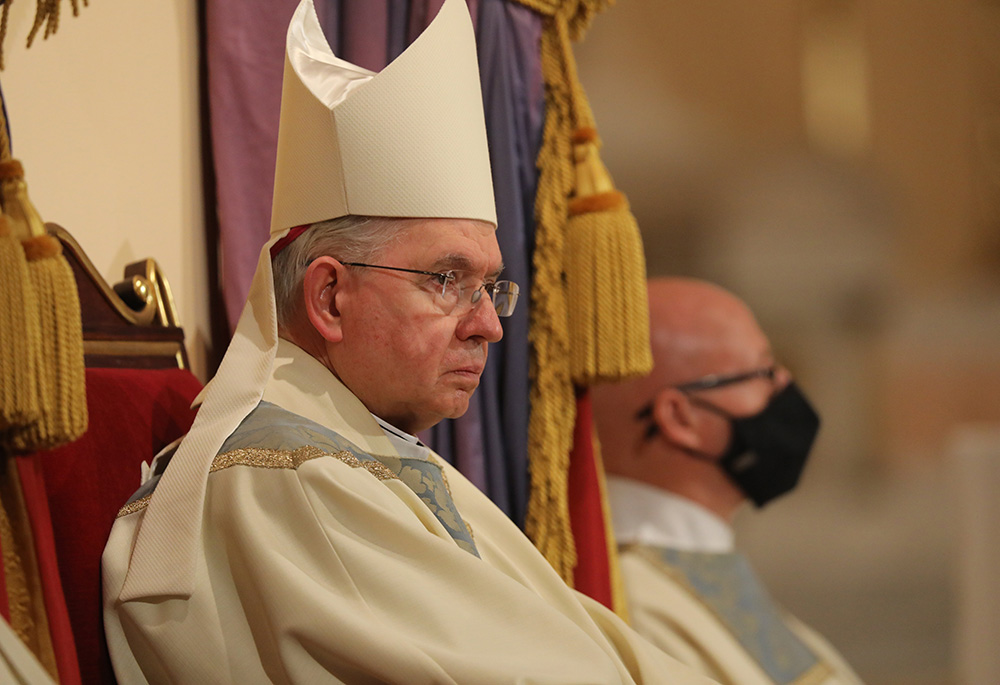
(245, 59)
(246, 48)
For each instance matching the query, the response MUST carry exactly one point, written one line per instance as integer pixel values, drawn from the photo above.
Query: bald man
(717, 422)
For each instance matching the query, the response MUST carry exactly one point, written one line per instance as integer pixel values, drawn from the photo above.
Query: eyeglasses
(722, 380)
(458, 291)
(706, 383)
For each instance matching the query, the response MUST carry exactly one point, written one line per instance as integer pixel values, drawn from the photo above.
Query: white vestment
(326, 555)
(692, 596)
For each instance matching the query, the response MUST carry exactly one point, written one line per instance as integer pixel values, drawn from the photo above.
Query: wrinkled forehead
(456, 244)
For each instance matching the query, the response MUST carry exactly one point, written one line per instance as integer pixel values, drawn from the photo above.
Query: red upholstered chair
(139, 393)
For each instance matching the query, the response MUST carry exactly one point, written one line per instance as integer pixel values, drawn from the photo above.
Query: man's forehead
(455, 244)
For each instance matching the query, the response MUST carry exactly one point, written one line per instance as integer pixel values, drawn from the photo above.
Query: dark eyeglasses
(722, 380)
(706, 383)
(460, 292)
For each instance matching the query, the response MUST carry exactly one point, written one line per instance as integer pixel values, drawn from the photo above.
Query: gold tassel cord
(61, 391)
(588, 319)
(553, 401)
(20, 336)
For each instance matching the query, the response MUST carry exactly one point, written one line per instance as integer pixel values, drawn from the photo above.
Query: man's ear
(321, 287)
(674, 418)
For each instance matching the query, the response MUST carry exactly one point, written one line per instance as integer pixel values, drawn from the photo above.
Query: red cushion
(134, 413)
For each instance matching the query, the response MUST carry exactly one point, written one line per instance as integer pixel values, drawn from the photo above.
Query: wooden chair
(139, 392)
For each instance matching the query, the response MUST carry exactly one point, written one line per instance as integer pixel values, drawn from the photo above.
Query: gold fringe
(58, 367)
(608, 316)
(20, 337)
(606, 272)
(62, 391)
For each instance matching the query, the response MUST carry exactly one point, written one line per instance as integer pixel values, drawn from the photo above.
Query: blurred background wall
(837, 164)
(104, 116)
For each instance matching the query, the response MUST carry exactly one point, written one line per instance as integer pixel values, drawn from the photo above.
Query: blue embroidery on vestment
(269, 426)
(728, 585)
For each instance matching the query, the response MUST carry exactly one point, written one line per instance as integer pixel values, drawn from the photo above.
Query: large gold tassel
(61, 391)
(606, 274)
(19, 336)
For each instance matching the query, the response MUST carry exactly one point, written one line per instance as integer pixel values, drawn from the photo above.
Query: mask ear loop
(646, 414)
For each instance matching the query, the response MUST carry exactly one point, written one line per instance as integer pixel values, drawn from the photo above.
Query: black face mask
(768, 451)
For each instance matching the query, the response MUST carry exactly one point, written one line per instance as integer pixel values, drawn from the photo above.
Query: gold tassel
(606, 274)
(62, 395)
(19, 336)
(564, 260)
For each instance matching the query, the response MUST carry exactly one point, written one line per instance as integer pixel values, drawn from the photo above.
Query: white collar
(407, 445)
(646, 515)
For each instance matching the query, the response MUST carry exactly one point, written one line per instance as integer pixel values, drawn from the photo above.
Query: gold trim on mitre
(409, 141)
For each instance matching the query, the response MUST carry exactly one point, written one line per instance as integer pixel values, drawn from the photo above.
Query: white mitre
(409, 141)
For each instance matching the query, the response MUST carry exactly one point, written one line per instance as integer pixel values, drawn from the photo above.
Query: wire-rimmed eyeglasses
(457, 289)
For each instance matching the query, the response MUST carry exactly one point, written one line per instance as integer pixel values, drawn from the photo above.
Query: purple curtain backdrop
(245, 62)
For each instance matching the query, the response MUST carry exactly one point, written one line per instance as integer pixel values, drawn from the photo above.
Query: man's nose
(481, 322)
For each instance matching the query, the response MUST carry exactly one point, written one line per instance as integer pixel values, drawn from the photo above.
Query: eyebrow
(460, 262)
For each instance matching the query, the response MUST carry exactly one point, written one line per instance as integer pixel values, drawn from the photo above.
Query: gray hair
(347, 238)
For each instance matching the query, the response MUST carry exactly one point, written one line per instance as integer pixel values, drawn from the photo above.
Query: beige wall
(104, 117)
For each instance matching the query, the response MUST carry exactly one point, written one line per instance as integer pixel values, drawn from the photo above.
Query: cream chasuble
(326, 556)
(691, 595)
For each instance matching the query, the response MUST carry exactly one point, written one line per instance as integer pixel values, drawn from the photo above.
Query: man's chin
(458, 405)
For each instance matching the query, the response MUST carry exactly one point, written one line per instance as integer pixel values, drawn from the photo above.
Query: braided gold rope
(553, 405)
(553, 401)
